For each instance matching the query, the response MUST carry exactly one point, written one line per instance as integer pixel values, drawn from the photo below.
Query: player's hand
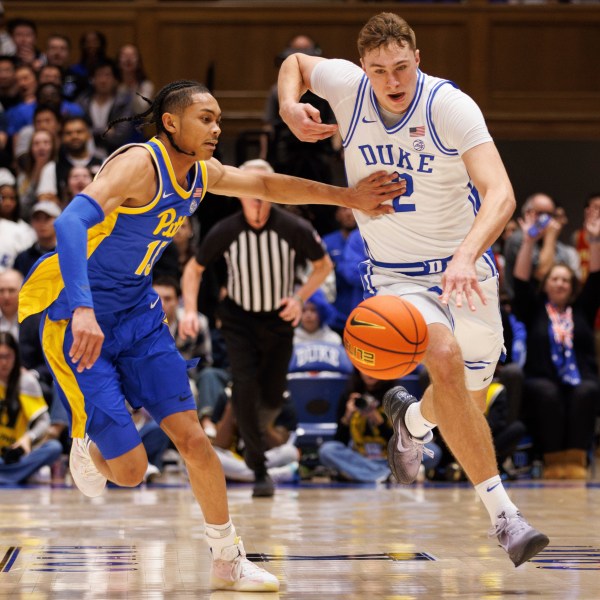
(304, 121)
(291, 310)
(189, 326)
(370, 192)
(87, 338)
(460, 279)
(23, 442)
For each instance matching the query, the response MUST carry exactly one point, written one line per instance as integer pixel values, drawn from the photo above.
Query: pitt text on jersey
(168, 225)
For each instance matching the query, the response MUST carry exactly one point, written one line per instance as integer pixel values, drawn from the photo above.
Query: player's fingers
(447, 289)
(479, 292)
(79, 358)
(468, 291)
(93, 353)
(75, 350)
(84, 361)
(312, 112)
(458, 298)
(382, 209)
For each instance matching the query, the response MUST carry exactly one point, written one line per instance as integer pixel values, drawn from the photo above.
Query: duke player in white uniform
(433, 249)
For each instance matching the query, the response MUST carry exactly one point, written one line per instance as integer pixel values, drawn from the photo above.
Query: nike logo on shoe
(399, 445)
(489, 489)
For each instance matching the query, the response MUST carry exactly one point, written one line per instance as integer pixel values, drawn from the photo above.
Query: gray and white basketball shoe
(520, 540)
(405, 452)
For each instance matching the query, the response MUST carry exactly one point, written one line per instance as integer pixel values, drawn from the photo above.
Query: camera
(12, 455)
(365, 402)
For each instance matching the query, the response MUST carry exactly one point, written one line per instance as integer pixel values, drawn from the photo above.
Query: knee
(445, 362)
(131, 473)
(194, 446)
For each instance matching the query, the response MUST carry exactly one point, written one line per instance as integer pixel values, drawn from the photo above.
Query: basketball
(385, 337)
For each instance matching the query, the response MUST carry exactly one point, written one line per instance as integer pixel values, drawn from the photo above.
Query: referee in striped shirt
(263, 248)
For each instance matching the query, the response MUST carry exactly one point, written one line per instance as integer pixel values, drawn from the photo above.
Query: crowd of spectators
(54, 113)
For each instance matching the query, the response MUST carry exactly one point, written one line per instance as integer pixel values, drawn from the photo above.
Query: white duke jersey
(424, 147)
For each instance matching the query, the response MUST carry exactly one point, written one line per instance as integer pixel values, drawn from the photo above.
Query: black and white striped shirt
(261, 264)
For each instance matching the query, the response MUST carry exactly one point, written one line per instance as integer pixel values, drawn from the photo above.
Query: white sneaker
(152, 473)
(233, 571)
(42, 475)
(284, 474)
(83, 470)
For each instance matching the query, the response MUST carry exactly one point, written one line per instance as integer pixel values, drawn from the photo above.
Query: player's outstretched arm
(126, 178)
(487, 172)
(304, 120)
(368, 195)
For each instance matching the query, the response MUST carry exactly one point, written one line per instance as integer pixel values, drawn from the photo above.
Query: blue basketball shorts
(139, 363)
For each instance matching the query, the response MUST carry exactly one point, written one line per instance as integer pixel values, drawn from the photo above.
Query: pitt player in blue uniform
(103, 331)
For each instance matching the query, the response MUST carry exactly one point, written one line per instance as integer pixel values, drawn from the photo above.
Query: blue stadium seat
(315, 396)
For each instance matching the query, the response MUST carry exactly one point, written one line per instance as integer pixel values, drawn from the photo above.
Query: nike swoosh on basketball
(489, 489)
(365, 120)
(165, 195)
(153, 304)
(356, 323)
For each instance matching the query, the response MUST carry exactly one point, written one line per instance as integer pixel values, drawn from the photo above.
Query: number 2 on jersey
(410, 188)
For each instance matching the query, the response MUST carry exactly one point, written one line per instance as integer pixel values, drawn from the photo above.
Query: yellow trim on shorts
(53, 338)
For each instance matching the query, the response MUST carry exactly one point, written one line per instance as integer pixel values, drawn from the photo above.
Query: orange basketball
(385, 337)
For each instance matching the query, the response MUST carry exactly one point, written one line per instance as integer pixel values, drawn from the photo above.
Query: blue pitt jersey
(124, 247)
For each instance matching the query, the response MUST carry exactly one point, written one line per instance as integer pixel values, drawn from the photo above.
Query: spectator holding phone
(539, 211)
(24, 419)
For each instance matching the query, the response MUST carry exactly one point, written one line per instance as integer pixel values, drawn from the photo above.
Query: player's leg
(456, 411)
(154, 375)
(96, 410)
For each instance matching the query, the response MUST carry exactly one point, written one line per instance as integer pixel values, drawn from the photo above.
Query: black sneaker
(263, 486)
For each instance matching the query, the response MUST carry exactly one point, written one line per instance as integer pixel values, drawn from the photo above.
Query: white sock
(416, 423)
(220, 536)
(495, 499)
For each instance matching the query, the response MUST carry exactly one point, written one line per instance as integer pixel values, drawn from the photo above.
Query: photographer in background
(359, 451)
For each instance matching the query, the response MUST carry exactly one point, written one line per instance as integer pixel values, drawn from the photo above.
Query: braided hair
(173, 97)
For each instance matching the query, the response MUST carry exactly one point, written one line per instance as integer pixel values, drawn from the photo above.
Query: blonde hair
(385, 29)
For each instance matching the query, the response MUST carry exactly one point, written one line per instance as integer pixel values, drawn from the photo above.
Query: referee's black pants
(259, 346)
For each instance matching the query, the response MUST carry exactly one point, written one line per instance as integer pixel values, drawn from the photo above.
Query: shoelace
(427, 451)
(89, 470)
(508, 525)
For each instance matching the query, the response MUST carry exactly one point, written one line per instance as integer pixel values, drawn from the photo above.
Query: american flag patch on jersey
(417, 131)
(197, 192)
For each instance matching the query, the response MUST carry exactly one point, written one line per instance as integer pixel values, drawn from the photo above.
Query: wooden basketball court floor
(323, 541)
